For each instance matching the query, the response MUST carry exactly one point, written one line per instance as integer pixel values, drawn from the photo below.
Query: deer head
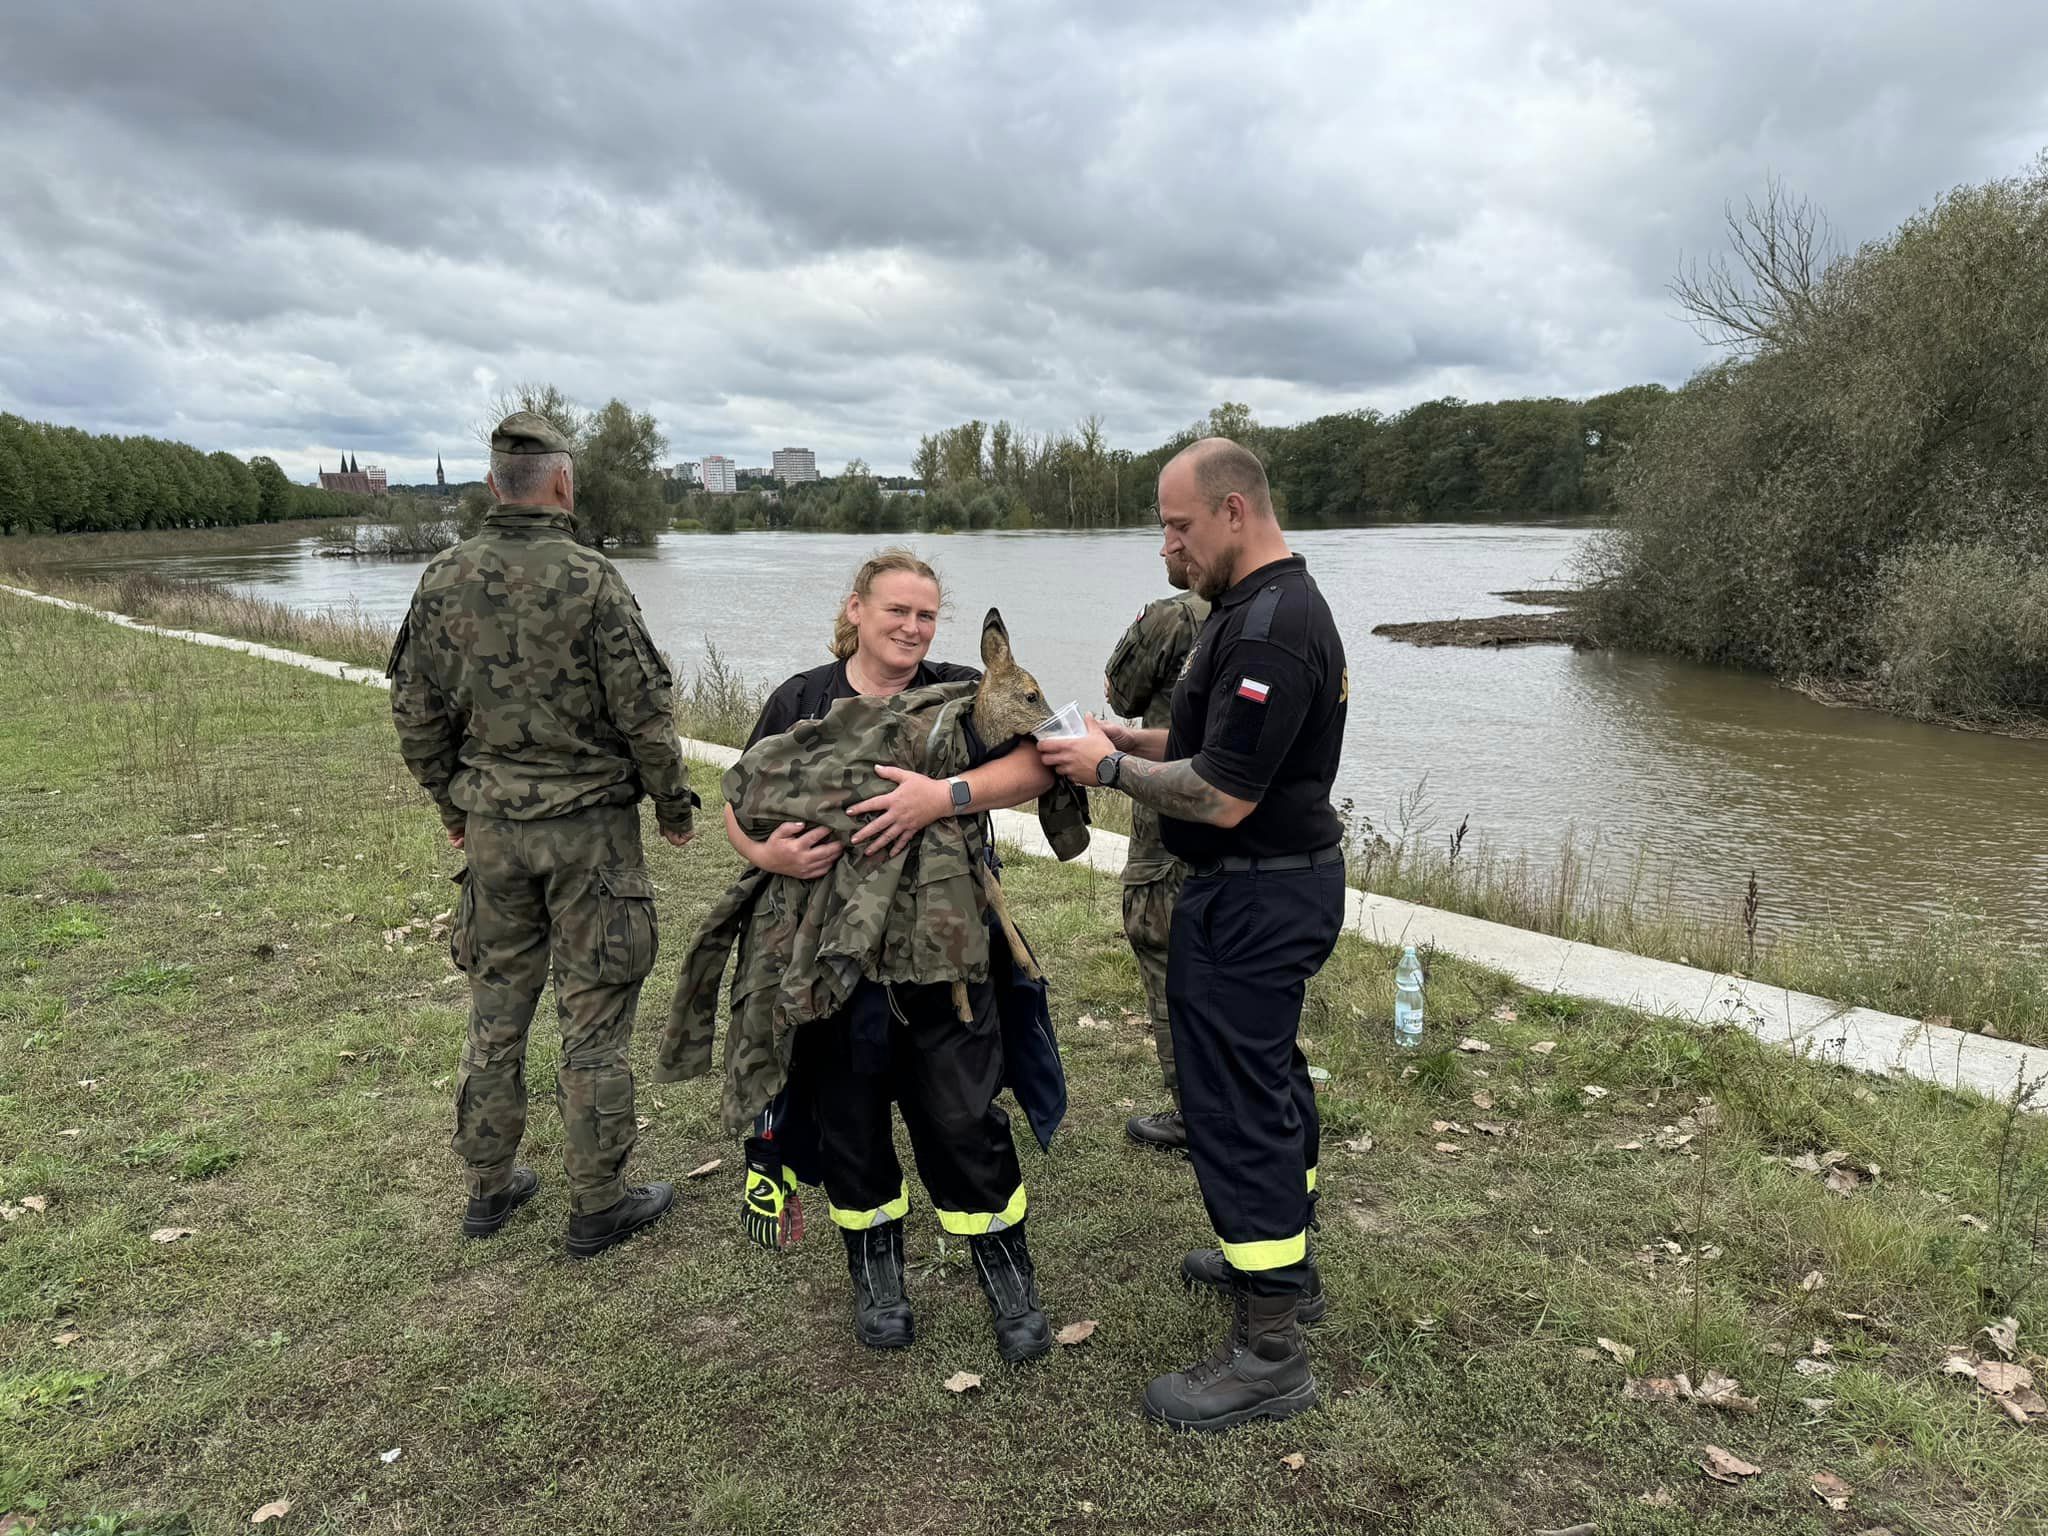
(1009, 702)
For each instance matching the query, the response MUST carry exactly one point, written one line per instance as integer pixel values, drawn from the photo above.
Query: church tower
(440, 475)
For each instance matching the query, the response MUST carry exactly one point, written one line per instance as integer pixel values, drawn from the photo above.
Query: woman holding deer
(908, 1044)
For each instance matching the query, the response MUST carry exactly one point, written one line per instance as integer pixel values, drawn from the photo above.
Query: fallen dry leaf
(1359, 1144)
(1504, 1014)
(1975, 1223)
(275, 1510)
(1294, 1461)
(74, 1131)
(2012, 1409)
(1490, 1127)
(36, 1203)
(1449, 1148)
(169, 1234)
(1651, 1389)
(1126, 1103)
(1594, 1091)
(1441, 1126)
(1813, 1281)
(962, 1381)
(1821, 1349)
(1089, 1021)
(1724, 1392)
(641, 1122)
(1830, 1490)
(1628, 1146)
(701, 1169)
(1959, 1365)
(388, 1457)
(1482, 1100)
(1076, 1333)
(1998, 1377)
(1539, 1231)
(1622, 1352)
(67, 1338)
(1815, 1370)
(1472, 1047)
(1544, 1047)
(1725, 1466)
(1817, 1406)
(2003, 1334)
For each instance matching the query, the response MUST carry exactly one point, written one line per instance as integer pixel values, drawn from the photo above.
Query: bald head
(1220, 468)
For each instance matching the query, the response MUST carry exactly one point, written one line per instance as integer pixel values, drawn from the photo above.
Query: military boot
(1208, 1267)
(1167, 1131)
(1003, 1262)
(881, 1312)
(1259, 1371)
(642, 1206)
(486, 1213)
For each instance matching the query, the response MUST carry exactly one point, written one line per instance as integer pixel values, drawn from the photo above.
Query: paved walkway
(1863, 1038)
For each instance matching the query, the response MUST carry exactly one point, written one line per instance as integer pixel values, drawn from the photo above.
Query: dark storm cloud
(299, 231)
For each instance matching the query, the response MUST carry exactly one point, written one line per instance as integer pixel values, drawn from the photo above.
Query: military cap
(528, 432)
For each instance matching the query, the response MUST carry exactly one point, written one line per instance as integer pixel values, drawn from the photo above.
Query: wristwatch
(1106, 771)
(963, 794)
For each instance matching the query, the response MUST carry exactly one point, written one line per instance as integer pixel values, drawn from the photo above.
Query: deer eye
(1032, 698)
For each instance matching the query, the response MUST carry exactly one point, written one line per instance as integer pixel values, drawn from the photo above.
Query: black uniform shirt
(1260, 708)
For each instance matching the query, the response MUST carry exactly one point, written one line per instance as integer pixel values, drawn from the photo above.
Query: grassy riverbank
(1961, 967)
(223, 1010)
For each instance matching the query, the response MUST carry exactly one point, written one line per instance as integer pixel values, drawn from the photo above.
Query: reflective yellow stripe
(881, 1215)
(975, 1223)
(1311, 1181)
(1277, 1254)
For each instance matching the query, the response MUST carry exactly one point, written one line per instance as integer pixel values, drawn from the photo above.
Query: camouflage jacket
(1142, 671)
(803, 945)
(524, 683)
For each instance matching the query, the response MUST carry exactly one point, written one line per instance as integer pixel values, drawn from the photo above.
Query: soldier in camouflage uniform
(1142, 672)
(532, 705)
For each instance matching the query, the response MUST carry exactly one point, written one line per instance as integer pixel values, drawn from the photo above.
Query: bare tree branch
(1781, 251)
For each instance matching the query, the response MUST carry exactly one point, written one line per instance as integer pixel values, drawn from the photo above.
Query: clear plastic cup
(1066, 722)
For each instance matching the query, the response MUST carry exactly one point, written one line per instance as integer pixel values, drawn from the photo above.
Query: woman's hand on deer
(791, 849)
(914, 804)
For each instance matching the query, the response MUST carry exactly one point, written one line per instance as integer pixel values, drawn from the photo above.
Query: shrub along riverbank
(1853, 501)
(230, 1274)
(1959, 968)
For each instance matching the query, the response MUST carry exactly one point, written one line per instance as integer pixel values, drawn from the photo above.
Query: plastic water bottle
(1408, 1000)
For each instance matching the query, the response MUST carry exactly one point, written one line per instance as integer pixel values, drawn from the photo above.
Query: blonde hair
(845, 638)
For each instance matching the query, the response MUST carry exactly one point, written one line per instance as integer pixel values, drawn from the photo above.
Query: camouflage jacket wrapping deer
(921, 916)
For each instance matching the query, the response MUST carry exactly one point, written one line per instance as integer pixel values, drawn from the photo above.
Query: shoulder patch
(1258, 618)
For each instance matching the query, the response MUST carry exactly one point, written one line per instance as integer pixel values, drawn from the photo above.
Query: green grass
(248, 830)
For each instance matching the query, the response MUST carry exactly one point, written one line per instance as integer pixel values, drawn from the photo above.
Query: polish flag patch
(1251, 688)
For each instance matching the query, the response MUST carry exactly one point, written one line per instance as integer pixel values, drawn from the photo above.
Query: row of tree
(62, 480)
(618, 456)
(1442, 459)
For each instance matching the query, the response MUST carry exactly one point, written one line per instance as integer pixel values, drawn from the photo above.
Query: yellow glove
(771, 1213)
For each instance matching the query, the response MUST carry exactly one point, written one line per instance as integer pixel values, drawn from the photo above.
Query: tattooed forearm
(1176, 790)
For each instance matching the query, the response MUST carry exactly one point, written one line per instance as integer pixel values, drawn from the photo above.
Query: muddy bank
(1558, 628)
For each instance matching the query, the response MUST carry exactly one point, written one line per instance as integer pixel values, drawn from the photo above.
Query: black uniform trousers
(909, 1046)
(1243, 948)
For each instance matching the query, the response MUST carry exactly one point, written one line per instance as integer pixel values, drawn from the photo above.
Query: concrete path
(1863, 1038)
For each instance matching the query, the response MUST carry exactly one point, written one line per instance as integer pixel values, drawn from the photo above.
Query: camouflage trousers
(571, 891)
(1148, 919)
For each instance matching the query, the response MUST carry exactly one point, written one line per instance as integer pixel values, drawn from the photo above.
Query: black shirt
(808, 695)
(1260, 708)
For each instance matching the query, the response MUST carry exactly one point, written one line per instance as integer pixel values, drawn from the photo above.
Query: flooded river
(1846, 815)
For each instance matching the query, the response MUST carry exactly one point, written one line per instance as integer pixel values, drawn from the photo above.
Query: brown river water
(1696, 774)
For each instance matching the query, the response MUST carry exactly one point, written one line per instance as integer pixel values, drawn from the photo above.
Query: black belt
(1237, 864)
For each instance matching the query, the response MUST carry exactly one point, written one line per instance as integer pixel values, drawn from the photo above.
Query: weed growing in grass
(151, 980)
(71, 928)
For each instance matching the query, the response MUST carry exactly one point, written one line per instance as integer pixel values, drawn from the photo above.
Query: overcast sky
(301, 230)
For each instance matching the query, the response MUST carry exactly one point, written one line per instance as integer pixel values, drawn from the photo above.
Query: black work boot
(1003, 1262)
(486, 1213)
(1259, 1371)
(1208, 1267)
(1166, 1131)
(642, 1206)
(881, 1312)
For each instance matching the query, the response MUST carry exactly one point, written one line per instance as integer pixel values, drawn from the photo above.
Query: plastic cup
(1066, 722)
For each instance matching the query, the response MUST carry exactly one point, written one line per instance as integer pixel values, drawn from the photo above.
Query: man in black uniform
(1241, 781)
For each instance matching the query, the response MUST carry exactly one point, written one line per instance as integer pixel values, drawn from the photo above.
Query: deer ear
(995, 641)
